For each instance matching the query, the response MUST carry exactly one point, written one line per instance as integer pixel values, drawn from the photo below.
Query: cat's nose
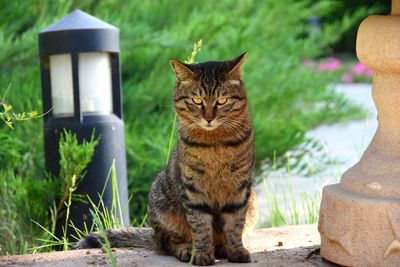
(209, 120)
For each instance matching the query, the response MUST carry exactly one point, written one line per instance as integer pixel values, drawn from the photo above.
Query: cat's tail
(121, 237)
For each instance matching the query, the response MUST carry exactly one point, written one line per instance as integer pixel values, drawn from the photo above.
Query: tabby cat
(204, 197)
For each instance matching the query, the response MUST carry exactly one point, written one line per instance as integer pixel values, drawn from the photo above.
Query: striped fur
(204, 197)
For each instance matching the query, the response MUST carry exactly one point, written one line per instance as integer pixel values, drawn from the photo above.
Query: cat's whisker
(186, 127)
(233, 131)
(235, 126)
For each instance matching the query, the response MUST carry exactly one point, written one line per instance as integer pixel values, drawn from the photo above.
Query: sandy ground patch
(284, 246)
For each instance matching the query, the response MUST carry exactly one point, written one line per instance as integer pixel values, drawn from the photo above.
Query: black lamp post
(81, 86)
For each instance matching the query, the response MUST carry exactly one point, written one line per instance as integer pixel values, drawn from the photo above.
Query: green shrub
(26, 199)
(23, 199)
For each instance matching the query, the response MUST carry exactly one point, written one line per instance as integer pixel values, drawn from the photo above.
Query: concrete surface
(284, 246)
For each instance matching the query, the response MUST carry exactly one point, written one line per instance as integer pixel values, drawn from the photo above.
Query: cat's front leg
(200, 221)
(234, 217)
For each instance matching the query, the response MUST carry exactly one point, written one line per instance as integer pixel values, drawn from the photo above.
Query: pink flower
(369, 72)
(347, 78)
(331, 65)
(358, 68)
(361, 69)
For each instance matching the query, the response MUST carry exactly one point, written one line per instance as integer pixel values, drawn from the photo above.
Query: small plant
(285, 207)
(9, 117)
(196, 50)
(74, 158)
(106, 244)
(103, 218)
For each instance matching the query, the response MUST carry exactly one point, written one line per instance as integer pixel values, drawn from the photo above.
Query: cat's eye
(222, 100)
(197, 100)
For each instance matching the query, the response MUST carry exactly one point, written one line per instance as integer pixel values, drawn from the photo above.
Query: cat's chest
(215, 161)
(215, 173)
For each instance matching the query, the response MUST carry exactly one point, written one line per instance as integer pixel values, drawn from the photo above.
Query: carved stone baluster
(360, 217)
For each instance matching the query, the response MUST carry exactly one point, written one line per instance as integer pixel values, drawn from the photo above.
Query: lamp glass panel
(62, 96)
(95, 82)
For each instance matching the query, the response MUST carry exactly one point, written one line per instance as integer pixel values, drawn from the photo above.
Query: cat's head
(210, 95)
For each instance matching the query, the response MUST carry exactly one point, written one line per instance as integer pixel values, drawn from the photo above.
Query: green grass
(74, 160)
(283, 206)
(286, 98)
(105, 218)
(292, 212)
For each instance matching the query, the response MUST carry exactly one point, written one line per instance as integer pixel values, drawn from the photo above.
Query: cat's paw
(239, 255)
(184, 253)
(204, 258)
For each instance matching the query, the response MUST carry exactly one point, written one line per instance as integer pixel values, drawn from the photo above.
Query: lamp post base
(358, 230)
(110, 150)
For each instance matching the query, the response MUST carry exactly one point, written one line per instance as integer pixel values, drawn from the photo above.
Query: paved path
(285, 246)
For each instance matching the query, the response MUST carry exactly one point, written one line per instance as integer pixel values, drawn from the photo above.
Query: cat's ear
(182, 70)
(234, 72)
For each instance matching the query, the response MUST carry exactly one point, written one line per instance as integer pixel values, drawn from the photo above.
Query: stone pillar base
(357, 230)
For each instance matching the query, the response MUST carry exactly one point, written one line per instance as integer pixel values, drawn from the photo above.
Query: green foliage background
(286, 98)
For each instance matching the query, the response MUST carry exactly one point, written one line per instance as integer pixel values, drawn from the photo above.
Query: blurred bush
(347, 42)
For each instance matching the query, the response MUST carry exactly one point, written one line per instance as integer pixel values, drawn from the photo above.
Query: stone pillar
(360, 217)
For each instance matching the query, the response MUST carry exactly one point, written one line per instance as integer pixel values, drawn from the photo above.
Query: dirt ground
(284, 246)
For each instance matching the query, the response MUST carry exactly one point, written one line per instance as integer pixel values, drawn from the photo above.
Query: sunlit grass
(285, 207)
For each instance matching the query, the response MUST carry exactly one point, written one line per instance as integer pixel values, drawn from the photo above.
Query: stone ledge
(284, 246)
